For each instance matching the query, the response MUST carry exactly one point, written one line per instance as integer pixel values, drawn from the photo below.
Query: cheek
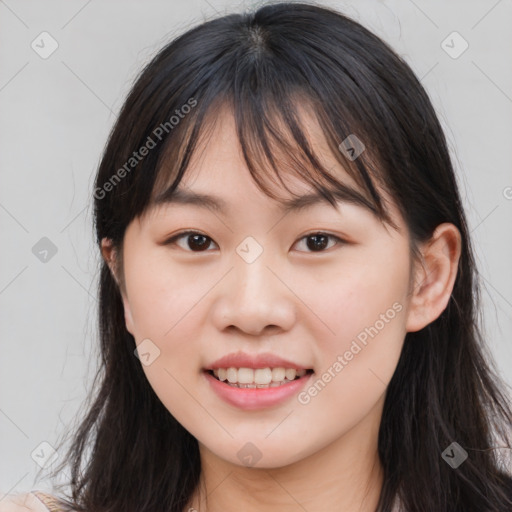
(163, 306)
(358, 362)
(169, 320)
(161, 297)
(366, 315)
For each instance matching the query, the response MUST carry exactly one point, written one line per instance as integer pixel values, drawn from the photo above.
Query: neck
(345, 475)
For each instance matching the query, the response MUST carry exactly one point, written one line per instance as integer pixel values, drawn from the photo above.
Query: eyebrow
(306, 201)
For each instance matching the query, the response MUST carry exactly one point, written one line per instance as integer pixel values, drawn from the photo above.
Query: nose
(254, 299)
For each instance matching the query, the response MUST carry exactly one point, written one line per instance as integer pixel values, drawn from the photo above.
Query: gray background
(57, 113)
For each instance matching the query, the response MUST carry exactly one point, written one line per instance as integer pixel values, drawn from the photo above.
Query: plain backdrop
(57, 111)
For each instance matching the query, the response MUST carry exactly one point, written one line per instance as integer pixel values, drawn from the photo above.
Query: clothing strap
(49, 501)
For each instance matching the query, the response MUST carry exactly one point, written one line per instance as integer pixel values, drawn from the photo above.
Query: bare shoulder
(26, 502)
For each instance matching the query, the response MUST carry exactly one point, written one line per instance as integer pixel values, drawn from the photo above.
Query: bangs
(275, 83)
(270, 130)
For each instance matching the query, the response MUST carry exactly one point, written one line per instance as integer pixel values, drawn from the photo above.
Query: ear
(435, 277)
(109, 254)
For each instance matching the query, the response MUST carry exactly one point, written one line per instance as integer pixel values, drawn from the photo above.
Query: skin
(303, 305)
(21, 503)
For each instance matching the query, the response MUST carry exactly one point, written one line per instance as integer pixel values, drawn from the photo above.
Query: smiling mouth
(259, 378)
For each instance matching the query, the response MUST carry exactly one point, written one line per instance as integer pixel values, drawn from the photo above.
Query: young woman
(289, 299)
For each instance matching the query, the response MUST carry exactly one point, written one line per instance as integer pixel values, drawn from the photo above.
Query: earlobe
(434, 277)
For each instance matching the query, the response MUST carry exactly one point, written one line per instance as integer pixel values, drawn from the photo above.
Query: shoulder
(35, 501)
(21, 503)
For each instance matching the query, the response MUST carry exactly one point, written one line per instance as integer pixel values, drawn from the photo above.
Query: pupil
(317, 245)
(200, 245)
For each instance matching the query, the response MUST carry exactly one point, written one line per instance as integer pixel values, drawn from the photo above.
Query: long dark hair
(128, 451)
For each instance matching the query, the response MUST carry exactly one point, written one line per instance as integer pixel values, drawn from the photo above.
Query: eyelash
(175, 238)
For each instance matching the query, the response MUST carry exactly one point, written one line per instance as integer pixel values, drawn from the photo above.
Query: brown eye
(194, 241)
(318, 242)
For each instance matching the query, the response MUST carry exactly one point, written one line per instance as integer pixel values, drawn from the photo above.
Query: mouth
(258, 378)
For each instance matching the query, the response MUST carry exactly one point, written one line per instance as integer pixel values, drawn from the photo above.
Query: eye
(318, 242)
(195, 241)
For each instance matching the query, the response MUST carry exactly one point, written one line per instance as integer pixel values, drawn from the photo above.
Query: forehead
(220, 145)
(217, 168)
(217, 176)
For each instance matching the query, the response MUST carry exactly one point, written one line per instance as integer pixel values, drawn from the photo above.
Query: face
(321, 290)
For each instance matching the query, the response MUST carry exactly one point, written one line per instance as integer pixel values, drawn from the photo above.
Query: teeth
(258, 378)
(232, 375)
(263, 376)
(278, 374)
(246, 376)
(290, 373)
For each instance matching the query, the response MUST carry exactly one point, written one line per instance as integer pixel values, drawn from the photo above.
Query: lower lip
(256, 398)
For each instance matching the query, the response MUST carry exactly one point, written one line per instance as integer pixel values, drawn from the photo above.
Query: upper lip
(241, 360)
